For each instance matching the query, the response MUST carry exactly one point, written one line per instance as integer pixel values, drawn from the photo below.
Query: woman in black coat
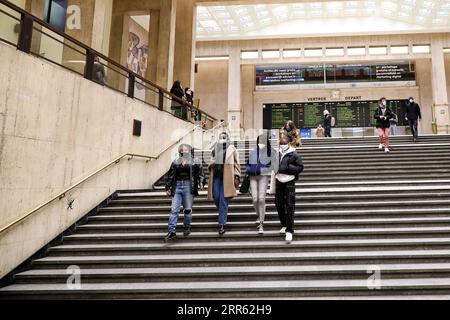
(177, 106)
(383, 115)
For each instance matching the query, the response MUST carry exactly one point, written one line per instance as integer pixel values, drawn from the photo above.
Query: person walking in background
(260, 166)
(327, 123)
(320, 132)
(177, 106)
(289, 167)
(393, 123)
(224, 178)
(413, 114)
(184, 179)
(290, 129)
(383, 115)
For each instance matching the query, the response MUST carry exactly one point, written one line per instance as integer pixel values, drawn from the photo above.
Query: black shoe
(187, 232)
(171, 236)
(222, 230)
(415, 140)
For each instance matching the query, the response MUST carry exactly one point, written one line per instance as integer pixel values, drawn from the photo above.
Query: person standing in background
(413, 114)
(320, 132)
(189, 95)
(177, 106)
(327, 123)
(393, 122)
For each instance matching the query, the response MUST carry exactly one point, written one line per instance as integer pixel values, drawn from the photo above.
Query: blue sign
(306, 133)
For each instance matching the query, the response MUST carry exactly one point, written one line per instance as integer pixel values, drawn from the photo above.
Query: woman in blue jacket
(260, 166)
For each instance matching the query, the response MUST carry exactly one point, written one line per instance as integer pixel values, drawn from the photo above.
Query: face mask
(261, 146)
(284, 147)
(288, 129)
(222, 141)
(184, 154)
(384, 103)
(411, 101)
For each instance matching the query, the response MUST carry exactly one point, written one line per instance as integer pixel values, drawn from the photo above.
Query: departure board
(281, 114)
(348, 114)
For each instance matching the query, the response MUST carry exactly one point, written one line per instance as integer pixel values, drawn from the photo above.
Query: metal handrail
(115, 161)
(63, 194)
(100, 55)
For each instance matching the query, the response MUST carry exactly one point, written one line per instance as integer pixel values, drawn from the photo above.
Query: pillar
(234, 93)
(166, 44)
(439, 85)
(185, 42)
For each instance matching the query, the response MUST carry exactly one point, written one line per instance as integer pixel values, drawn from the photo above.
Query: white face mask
(411, 101)
(261, 145)
(284, 148)
(384, 103)
(222, 141)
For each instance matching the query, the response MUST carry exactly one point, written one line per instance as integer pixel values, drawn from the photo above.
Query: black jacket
(290, 164)
(327, 121)
(197, 176)
(413, 111)
(383, 123)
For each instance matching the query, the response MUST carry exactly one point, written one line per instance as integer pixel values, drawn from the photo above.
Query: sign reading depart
(348, 114)
(345, 73)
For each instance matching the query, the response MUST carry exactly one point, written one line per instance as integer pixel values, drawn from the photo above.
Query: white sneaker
(381, 146)
(261, 230)
(283, 230)
(387, 150)
(288, 237)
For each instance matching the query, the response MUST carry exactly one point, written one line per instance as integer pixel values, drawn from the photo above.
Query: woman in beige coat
(224, 177)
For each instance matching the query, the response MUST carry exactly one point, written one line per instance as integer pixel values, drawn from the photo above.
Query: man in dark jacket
(327, 123)
(413, 115)
(289, 168)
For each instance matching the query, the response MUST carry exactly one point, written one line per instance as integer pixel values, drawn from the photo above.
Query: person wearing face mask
(383, 115)
(327, 123)
(224, 178)
(290, 129)
(260, 165)
(184, 179)
(413, 114)
(290, 166)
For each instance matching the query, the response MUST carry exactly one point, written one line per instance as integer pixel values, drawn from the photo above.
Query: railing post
(161, 100)
(26, 33)
(89, 70)
(131, 85)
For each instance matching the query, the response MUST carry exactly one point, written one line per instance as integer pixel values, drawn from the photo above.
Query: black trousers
(285, 203)
(413, 124)
(328, 131)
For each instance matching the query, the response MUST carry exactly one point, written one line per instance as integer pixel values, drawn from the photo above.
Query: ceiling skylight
(322, 18)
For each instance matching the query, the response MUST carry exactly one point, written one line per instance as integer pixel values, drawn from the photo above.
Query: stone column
(439, 84)
(185, 42)
(166, 47)
(234, 93)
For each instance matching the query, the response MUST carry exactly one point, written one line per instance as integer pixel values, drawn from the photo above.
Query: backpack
(333, 121)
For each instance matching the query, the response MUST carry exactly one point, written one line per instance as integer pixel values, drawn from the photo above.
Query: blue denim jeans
(183, 197)
(220, 200)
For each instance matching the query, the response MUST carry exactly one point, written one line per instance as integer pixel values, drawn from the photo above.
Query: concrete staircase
(360, 212)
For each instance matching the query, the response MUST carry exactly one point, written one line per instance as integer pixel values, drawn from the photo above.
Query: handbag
(237, 181)
(245, 187)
